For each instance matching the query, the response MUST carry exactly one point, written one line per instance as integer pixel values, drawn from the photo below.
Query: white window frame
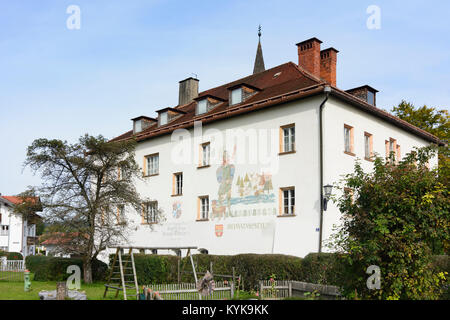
(138, 126)
(236, 96)
(289, 139)
(347, 139)
(202, 103)
(163, 118)
(204, 207)
(150, 211)
(288, 201)
(367, 145)
(206, 154)
(179, 183)
(152, 164)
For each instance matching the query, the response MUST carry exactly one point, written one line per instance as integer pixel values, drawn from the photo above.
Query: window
(120, 214)
(391, 148)
(150, 211)
(163, 118)
(370, 98)
(287, 201)
(137, 126)
(236, 96)
(398, 153)
(348, 140)
(368, 146)
(205, 154)
(123, 173)
(203, 208)
(177, 184)
(287, 138)
(152, 165)
(4, 230)
(202, 106)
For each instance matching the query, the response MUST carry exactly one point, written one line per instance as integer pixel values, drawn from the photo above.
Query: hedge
(252, 267)
(54, 269)
(13, 256)
(324, 268)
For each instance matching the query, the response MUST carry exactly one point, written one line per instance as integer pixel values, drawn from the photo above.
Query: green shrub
(14, 256)
(441, 263)
(252, 267)
(153, 268)
(325, 268)
(54, 269)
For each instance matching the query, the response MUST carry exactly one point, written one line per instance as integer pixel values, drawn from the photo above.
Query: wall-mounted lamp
(327, 195)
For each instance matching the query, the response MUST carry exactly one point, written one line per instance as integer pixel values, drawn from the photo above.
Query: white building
(17, 233)
(252, 180)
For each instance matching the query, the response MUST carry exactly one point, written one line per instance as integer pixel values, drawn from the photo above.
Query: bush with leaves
(391, 219)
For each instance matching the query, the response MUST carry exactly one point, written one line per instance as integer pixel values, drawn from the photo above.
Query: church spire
(259, 60)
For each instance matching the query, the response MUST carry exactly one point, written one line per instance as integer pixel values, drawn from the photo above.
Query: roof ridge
(306, 73)
(246, 77)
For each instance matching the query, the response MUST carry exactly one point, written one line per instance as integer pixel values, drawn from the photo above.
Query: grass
(14, 290)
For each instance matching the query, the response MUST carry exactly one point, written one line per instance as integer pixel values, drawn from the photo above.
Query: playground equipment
(120, 274)
(206, 285)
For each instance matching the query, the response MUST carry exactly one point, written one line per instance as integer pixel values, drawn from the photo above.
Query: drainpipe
(326, 90)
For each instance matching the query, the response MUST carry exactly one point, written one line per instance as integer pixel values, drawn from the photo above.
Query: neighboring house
(17, 233)
(225, 202)
(60, 244)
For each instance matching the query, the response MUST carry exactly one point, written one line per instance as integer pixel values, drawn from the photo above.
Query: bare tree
(85, 186)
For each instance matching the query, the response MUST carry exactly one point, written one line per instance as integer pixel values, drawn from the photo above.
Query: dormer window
(137, 126)
(241, 92)
(236, 96)
(207, 103)
(202, 106)
(366, 93)
(163, 118)
(166, 115)
(141, 123)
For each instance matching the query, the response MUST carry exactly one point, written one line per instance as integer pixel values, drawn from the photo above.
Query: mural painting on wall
(176, 209)
(241, 191)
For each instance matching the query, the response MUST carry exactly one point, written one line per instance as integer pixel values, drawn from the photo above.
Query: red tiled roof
(19, 200)
(283, 83)
(61, 238)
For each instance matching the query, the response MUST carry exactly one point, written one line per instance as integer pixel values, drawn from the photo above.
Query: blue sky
(128, 56)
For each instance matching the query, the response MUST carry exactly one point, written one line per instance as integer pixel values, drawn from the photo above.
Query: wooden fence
(285, 289)
(188, 291)
(11, 270)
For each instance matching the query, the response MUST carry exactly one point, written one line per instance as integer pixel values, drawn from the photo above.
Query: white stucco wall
(337, 163)
(261, 231)
(256, 228)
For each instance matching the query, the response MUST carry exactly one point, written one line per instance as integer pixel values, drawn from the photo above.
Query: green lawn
(13, 290)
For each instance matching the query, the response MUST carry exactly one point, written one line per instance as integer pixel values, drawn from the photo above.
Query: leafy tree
(436, 122)
(391, 219)
(81, 190)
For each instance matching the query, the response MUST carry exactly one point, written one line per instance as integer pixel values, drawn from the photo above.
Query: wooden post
(290, 288)
(232, 290)
(61, 291)
(210, 268)
(261, 289)
(179, 271)
(195, 272)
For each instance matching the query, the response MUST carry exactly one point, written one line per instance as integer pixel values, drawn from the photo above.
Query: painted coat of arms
(219, 230)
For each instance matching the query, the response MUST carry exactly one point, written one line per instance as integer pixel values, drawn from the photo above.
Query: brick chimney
(309, 55)
(188, 90)
(328, 60)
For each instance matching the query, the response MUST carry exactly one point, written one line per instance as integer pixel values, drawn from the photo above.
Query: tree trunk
(87, 271)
